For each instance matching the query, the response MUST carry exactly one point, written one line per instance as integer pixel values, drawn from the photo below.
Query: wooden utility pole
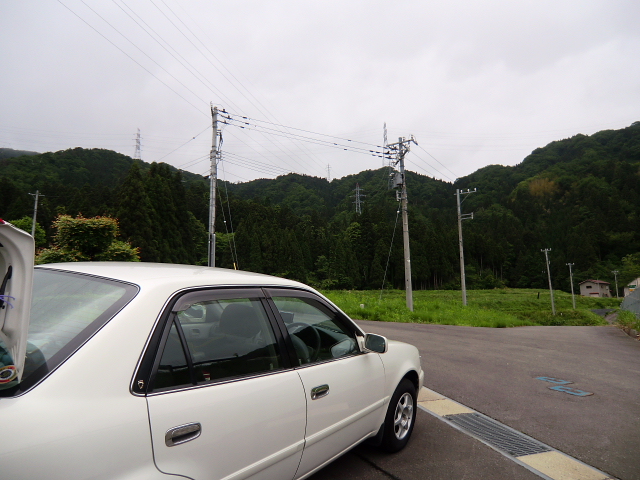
(213, 179)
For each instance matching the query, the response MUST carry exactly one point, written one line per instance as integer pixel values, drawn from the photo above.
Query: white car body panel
(82, 421)
(341, 418)
(17, 250)
(84, 412)
(255, 425)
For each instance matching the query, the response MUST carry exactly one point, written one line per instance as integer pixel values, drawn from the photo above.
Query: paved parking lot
(498, 372)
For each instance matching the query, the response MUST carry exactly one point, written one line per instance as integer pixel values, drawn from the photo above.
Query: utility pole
(546, 256)
(358, 202)
(615, 273)
(401, 149)
(466, 216)
(213, 179)
(573, 297)
(35, 212)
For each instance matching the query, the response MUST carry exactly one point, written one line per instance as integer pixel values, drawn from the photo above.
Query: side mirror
(375, 343)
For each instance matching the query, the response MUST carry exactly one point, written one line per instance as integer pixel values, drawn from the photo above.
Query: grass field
(485, 308)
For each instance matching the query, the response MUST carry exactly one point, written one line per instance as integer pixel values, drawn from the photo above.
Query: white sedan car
(154, 371)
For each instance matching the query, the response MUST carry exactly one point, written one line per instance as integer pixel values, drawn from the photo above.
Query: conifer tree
(135, 215)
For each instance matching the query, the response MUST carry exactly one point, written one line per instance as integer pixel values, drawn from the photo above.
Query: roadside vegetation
(498, 308)
(628, 320)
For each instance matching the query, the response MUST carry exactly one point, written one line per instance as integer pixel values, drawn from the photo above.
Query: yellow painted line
(552, 465)
(426, 395)
(445, 407)
(562, 467)
(440, 405)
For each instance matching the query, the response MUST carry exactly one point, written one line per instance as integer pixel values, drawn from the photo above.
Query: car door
(223, 400)
(16, 283)
(344, 387)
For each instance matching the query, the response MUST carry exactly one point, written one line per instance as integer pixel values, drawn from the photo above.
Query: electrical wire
(393, 236)
(130, 57)
(454, 175)
(185, 143)
(323, 143)
(306, 131)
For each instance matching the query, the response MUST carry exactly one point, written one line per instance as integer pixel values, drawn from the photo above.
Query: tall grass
(485, 308)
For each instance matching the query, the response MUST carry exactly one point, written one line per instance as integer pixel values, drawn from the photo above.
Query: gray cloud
(476, 82)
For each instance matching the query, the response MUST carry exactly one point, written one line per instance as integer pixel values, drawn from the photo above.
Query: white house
(632, 286)
(595, 288)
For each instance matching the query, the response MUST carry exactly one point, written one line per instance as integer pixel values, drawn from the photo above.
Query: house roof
(595, 281)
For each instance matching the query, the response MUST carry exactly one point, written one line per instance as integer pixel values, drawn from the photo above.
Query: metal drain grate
(498, 435)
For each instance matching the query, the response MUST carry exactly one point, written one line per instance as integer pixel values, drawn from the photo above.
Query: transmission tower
(137, 154)
(384, 156)
(401, 148)
(328, 173)
(358, 196)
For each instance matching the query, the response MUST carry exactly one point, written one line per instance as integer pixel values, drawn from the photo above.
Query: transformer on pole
(401, 148)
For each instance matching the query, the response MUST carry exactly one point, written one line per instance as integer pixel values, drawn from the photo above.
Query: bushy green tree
(87, 239)
(25, 223)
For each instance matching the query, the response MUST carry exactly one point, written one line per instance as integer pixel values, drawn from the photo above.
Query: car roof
(180, 276)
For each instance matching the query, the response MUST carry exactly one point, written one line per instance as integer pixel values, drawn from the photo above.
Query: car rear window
(66, 310)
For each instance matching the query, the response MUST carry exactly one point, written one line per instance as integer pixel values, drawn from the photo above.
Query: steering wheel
(310, 337)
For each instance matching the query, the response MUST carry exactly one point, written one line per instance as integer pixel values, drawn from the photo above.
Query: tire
(400, 418)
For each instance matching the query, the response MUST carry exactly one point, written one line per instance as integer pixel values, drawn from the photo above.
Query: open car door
(17, 250)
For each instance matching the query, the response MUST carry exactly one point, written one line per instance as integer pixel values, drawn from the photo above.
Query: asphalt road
(495, 371)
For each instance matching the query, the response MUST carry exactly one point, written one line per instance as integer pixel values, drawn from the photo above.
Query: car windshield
(66, 310)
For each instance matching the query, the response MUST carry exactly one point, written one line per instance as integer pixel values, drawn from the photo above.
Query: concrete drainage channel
(537, 457)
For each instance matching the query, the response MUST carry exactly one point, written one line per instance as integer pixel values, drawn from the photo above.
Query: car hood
(17, 250)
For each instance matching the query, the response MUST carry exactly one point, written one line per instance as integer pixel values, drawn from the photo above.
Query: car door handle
(319, 392)
(182, 434)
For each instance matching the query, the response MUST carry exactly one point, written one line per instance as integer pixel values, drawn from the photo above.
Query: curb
(543, 460)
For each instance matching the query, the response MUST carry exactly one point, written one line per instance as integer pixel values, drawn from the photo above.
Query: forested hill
(578, 196)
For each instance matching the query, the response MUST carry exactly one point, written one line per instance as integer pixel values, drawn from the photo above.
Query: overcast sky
(476, 82)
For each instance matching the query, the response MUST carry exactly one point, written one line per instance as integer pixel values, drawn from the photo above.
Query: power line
(130, 57)
(325, 143)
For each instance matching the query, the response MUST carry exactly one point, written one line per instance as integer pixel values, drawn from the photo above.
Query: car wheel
(400, 418)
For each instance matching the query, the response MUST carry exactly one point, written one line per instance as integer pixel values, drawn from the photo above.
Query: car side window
(316, 332)
(218, 339)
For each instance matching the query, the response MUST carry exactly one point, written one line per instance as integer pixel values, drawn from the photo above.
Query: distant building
(632, 286)
(595, 288)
